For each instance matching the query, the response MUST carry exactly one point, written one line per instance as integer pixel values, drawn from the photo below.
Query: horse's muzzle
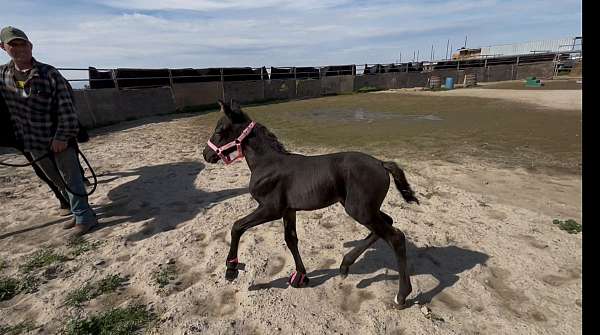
(210, 156)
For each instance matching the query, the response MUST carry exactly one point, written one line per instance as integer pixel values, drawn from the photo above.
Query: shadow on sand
(443, 263)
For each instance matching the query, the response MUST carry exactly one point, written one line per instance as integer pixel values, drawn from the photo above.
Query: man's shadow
(443, 263)
(162, 195)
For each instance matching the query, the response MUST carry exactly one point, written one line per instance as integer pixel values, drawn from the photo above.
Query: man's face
(19, 50)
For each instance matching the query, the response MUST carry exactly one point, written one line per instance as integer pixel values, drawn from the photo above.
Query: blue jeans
(68, 167)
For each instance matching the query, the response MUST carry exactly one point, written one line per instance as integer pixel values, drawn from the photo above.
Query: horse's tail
(400, 181)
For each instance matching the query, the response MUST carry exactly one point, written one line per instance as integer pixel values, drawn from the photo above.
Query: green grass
(40, 259)
(29, 283)
(570, 226)
(18, 328)
(366, 89)
(510, 134)
(80, 246)
(163, 276)
(9, 287)
(88, 292)
(118, 321)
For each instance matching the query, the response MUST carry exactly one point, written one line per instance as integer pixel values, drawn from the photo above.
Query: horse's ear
(225, 108)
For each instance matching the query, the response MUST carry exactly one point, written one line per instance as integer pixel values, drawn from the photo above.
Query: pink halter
(235, 143)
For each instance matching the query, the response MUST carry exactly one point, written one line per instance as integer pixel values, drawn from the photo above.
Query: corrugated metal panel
(564, 44)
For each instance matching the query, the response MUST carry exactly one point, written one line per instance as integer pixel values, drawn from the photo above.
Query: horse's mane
(270, 139)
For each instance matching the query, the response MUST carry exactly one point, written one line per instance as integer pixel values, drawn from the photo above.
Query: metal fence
(358, 69)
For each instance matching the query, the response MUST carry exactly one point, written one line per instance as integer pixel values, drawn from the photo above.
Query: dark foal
(283, 183)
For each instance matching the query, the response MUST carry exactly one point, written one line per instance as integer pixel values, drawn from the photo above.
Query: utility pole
(465, 41)
(413, 56)
(447, 44)
(418, 55)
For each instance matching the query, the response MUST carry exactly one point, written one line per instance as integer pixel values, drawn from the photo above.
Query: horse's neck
(260, 151)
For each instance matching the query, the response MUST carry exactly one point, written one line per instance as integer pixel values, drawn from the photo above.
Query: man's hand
(58, 146)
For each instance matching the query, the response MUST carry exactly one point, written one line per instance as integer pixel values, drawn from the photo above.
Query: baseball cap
(11, 33)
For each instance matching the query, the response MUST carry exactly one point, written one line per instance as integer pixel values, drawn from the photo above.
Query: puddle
(363, 115)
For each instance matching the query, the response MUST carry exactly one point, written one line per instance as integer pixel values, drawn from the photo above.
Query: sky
(231, 33)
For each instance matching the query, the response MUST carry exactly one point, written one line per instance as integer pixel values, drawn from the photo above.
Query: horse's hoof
(401, 303)
(298, 279)
(344, 271)
(231, 274)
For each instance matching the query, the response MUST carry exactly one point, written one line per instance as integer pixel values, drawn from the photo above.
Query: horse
(283, 183)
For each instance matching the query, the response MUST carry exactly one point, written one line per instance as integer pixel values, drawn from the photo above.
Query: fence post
(457, 69)
(222, 83)
(113, 74)
(172, 88)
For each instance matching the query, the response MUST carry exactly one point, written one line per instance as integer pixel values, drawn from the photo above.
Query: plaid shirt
(41, 111)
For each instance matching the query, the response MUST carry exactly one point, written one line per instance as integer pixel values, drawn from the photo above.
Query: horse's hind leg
(394, 237)
(397, 241)
(260, 215)
(353, 254)
(298, 278)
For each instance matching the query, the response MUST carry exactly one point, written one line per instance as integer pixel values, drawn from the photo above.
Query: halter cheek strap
(235, 143)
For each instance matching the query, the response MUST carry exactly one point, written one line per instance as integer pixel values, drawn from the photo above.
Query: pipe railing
(353, 70)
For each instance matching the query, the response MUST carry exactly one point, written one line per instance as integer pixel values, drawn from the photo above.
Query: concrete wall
(197, 94)
(280, 89)
(330, 85)
(244, 91)
(309, 88)
(101, 107)
(346, 84)
(499, 73)
(337, 85)
(417, 79)
(371, 80)
(106, 106)
(83, 109)
(539, 70)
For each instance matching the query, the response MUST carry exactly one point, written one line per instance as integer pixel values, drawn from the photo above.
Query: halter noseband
(235, 143)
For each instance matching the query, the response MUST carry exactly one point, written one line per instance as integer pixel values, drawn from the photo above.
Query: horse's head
(229, 133)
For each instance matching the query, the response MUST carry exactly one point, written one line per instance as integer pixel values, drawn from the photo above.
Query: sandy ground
(558, 99)
(483, 253)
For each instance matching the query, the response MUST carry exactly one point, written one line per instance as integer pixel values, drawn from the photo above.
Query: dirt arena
(492, 168)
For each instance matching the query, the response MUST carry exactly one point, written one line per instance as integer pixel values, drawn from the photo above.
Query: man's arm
(68, 125)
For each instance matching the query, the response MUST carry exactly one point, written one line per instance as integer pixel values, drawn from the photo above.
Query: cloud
(212, 5)
(207, 33)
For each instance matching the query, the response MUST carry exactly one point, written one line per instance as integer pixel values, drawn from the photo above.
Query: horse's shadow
(443, 263)
(163, 196)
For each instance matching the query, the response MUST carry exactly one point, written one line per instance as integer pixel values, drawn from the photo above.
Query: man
(40, 104)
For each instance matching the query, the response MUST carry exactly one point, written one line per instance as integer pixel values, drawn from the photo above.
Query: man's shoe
(79, 230)
(69, 224)
(64, 211)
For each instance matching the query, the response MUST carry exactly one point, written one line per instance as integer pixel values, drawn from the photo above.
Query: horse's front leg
(260, 215)
(298, 277)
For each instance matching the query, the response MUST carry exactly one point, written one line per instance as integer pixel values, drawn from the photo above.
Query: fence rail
(322, 71)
